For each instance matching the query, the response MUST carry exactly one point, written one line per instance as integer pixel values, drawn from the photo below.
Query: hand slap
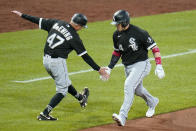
(105, 73)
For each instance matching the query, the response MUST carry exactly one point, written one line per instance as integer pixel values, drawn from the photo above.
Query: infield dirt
(95, 10)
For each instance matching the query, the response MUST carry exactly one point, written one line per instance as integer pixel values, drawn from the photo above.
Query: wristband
(158, 60)
(116, 53)
(156, 49)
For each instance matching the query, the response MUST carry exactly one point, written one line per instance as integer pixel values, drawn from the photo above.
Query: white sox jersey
(62, 38)
(133, 44)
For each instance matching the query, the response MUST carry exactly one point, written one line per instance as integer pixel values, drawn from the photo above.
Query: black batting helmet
(80, 19)
(121, 17)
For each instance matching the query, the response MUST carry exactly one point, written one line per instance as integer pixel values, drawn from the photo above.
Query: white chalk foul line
(118, 65)
(48, 77)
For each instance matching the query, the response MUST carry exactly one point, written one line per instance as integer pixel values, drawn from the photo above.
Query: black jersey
(133, 44)
(62, 38)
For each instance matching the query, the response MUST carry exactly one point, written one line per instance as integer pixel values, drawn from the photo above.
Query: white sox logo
(133, 44)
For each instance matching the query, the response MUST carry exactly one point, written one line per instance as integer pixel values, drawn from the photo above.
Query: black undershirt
(90, 61)
(113, 61)
(31, 18)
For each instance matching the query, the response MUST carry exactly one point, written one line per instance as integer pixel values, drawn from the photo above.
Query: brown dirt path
(95, 10)
(183, 120)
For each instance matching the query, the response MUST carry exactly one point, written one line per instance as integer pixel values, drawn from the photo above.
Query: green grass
(21, 59)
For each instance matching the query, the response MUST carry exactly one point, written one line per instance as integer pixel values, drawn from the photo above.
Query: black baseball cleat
(43, 117)
(85, 94)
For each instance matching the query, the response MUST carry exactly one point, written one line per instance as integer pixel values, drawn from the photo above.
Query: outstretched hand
(104, 73)
(17, 12)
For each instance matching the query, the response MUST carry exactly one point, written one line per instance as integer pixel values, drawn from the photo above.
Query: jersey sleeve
(148, 41)
(78, 47)
(33, 19)
(116, 48)
(46, 24)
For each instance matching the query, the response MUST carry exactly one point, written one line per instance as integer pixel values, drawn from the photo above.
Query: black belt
(52, 56)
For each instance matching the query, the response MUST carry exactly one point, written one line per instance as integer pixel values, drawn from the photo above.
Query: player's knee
(62, 90)
(129, 89)
(139, 91)
(129, 86)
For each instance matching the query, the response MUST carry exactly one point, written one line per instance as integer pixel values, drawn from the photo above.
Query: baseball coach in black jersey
(131, 44)
(62, 39)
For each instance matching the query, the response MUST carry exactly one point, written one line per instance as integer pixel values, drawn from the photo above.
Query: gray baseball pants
(57, 68)
(135, 74)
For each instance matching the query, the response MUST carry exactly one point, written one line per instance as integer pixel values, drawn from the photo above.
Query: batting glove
(159, 71)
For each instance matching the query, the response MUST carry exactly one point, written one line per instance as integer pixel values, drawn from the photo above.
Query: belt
(52, 56)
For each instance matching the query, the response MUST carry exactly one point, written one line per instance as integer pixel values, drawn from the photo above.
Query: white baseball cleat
(118, 119)
(151, 110)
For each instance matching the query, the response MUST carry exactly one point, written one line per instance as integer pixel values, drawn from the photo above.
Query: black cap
(80, 19)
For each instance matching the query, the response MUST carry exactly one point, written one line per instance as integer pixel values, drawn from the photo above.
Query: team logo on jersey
(133, 44)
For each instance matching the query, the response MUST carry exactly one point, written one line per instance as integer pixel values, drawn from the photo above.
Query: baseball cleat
(151, 110)
(85, 94)
(43, 117)
(118, 119)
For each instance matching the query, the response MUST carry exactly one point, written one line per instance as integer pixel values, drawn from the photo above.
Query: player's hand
(108, 70)
(105, 73)
(17, 12)
(159, 71)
